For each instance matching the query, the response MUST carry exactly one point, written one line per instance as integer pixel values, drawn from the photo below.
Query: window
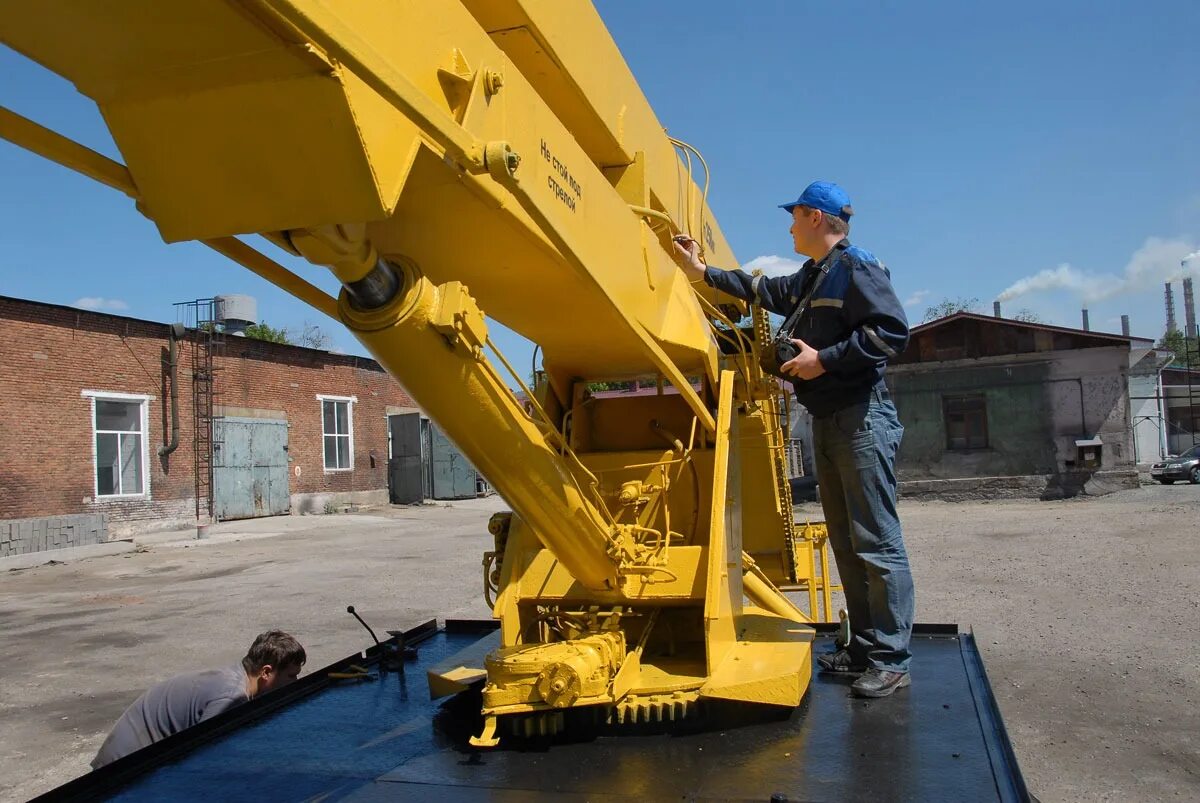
(966, 422)
(337, 429)
(119, 443)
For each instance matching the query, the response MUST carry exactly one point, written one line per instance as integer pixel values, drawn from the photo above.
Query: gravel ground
(1085, 611)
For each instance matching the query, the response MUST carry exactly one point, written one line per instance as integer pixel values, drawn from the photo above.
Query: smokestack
(1171, 327)
(1125, 325)
(1189, 308)
(996, 309)
(1086, 327)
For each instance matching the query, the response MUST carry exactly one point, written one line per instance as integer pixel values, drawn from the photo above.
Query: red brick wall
(49, 354)
(269, 376)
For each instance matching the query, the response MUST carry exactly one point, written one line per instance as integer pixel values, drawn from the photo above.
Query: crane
(455, 163)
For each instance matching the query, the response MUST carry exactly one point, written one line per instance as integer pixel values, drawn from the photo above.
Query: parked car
(1184, 467)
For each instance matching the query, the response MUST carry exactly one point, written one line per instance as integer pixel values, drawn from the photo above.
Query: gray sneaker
(880, 683)
(840, 662)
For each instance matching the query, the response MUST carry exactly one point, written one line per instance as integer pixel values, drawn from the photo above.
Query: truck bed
(941, 739)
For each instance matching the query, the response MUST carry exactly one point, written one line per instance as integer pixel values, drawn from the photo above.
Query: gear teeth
(632, 711)
(653, 709)
(537, 724)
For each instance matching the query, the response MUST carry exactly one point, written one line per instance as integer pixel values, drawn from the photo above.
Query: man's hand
(805, 365)
(687, 254)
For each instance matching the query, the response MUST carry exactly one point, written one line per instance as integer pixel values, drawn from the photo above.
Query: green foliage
(309, 336)
(1183, 347)
(949, 306)
(264, 331)
(625, 385)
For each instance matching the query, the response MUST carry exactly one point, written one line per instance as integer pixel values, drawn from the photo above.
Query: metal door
(405, 481)
(453, 476)
(250, 468)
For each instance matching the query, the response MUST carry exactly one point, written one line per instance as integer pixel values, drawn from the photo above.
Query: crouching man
(273, 661)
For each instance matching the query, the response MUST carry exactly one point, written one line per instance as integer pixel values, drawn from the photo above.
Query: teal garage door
(250, 468)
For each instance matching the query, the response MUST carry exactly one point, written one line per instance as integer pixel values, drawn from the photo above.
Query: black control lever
(350, 610)
(391, 656)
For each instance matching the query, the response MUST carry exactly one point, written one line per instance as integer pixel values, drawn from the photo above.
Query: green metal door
(250, 468)
(453, 476)
(405, 469)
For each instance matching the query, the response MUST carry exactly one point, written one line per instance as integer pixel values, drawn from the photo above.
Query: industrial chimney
(996, 309)
(1086, 327)
(1125, 325)
(1171, 327)
(1189, 308)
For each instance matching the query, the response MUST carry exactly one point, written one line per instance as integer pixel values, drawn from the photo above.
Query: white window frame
(350, 401)
(143, 400)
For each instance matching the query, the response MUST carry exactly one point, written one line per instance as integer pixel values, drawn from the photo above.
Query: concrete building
(86, 423)
(994, 406)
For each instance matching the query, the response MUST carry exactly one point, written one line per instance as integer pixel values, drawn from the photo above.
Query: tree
(311, 336)
(611, 385)
(264, 331)
(1028, 316)
(949, 306)
(1182, 347)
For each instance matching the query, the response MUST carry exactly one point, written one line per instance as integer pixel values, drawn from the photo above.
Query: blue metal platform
(941, 739)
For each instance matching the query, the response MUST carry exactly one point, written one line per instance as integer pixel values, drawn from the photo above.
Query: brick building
(86, 411)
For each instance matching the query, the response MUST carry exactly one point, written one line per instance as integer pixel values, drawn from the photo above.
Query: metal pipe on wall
(174, 335)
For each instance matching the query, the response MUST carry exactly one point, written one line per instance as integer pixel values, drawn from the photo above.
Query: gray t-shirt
(171, 706)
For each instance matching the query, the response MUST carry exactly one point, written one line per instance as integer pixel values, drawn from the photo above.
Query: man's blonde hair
(836, 224)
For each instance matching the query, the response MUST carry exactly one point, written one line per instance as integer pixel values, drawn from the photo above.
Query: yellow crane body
(455, 162)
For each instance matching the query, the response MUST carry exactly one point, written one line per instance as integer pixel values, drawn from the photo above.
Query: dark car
(1184, 467)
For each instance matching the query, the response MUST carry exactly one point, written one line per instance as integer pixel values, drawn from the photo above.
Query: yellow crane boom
(452, 161)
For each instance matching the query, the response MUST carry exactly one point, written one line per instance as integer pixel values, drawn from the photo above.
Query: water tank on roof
(236, 312)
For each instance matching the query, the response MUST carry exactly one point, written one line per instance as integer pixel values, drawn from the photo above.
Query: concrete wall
(49, 354)
(1146, 408)
(309, 503)
(19, 536)
(1037, 406)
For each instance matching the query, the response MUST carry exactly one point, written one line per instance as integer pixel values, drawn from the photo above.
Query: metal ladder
(207, 343)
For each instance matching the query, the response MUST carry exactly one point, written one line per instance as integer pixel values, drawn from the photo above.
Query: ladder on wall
(1191, 360)
(207, 343)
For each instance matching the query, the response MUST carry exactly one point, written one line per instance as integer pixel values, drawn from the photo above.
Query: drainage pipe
(176, 333)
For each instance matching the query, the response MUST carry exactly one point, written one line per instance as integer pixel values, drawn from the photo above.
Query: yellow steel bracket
(460, 320)
(324, 28)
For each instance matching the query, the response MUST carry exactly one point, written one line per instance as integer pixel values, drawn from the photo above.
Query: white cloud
(97, 303)
(773, 265)
(916, 298)
(1158, 260)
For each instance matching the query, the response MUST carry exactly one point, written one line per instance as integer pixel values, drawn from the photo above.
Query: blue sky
(982, 145)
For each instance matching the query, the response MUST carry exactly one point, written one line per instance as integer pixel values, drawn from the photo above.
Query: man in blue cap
(849, 324)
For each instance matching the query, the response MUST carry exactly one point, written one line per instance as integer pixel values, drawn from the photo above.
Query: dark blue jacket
(854, 320)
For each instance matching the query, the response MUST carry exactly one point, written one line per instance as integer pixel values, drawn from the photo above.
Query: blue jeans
(856, 473)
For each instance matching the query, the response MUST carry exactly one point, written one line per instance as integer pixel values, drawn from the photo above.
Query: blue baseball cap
(826, 196)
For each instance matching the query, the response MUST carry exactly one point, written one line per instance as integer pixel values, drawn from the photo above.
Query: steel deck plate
(941, 739)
